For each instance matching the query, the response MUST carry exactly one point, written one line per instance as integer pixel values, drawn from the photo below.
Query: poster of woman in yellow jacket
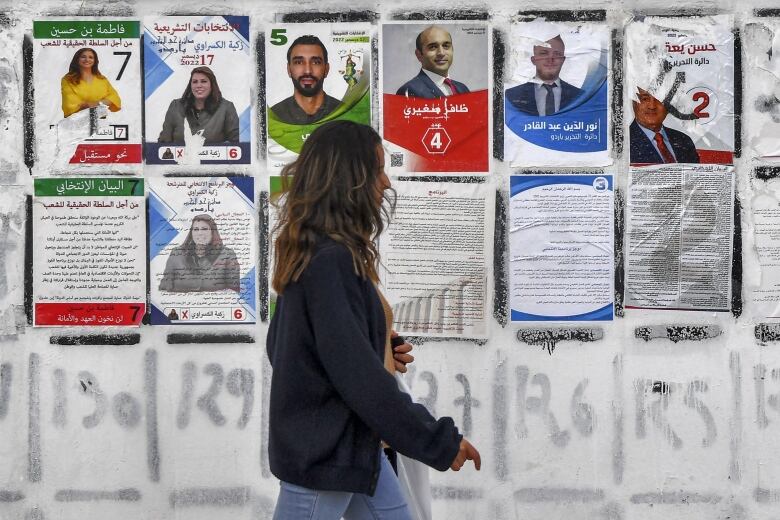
(85, 87)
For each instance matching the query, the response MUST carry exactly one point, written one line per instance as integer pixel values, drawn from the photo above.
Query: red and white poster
(435, 79)
(680, 80)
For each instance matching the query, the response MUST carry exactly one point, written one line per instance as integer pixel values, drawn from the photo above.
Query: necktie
(665, 153)
(549, 102)
(451, 84)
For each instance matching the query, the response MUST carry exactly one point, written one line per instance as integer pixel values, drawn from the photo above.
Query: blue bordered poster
(202, 258)
(561, 245)
(556, 94)
(198, 73)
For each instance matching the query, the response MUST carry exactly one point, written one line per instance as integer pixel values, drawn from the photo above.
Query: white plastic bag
(413, 477)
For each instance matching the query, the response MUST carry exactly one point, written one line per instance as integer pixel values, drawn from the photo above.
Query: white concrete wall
(615, 428)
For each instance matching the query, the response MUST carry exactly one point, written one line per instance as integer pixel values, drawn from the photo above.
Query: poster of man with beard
(327, 77)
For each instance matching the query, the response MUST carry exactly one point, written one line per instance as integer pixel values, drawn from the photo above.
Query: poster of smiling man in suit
(435, 96)
(555, 99)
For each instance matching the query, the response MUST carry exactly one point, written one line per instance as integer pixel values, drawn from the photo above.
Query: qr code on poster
(396, 160)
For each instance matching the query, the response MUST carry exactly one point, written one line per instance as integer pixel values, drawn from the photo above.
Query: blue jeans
(388, 503)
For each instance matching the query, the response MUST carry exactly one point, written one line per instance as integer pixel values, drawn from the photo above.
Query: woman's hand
(401, 355)
(466, 452)
(109, 104)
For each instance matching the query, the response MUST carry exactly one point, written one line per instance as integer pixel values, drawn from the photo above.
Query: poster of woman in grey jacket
(202, 262)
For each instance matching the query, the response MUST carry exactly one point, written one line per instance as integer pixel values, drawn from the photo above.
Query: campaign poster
(198, 73)
(679, 237)
(561, 248)
(87, 81)
(762, 92)
(435, 96)
(436, 258)
(315, 73)
(88, 255)
(556, 94)
(202, 250)
(680, 90)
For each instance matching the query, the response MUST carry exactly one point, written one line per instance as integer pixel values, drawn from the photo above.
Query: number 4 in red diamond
(436, 139)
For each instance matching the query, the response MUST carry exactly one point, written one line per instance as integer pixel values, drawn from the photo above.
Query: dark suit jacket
(523, 97)
(421, 86)
(643, 151)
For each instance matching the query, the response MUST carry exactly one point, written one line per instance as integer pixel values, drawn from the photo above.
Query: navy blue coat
(421, 86)
(332, 399)
(523, 97)
(643, 151)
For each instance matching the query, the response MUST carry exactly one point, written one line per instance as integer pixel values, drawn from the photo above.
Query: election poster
(763, 284)
(87, 81)
(202, 251)
(315, 73)
(679, 237)
(435, 96)
(436, 258)
(561, 247)
(198, 72)
(556, 94)
(88, 256)
(680, 90)
(762, 92)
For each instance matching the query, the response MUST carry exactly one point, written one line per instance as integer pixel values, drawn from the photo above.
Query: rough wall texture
(656, 415)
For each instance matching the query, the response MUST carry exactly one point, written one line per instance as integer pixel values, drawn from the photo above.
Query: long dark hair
(331, 190)
(74, 71)
(215, 96)
(214, 248)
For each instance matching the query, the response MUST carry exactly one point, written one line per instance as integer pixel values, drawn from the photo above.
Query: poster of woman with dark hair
(201, 250)
(197, 76)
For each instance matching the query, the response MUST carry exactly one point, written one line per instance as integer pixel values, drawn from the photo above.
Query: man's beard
(311, 91)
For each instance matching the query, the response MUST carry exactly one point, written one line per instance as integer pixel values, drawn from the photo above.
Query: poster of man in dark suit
(546, 93)
(435, 52)
(653, 143)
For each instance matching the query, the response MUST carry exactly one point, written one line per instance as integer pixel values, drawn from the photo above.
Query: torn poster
(88, 264)
(436, 257)
(87, 81)
(679, 234)
(764, 283)
(555, 99)
(202, 250)
(315, 73)
(435, 96)
(561, 247)
(762, 92)
(680, 90)
(198, 74)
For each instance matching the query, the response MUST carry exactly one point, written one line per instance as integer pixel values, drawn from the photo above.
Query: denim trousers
(388, 503)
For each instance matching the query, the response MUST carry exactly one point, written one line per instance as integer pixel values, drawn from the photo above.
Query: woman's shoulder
(332, 257)
(226, 252)
(177, 104)
(225, 105)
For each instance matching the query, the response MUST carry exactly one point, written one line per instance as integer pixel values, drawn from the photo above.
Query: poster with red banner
(88, 256)
(680, 80)
(435, 79)
(87, 78)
